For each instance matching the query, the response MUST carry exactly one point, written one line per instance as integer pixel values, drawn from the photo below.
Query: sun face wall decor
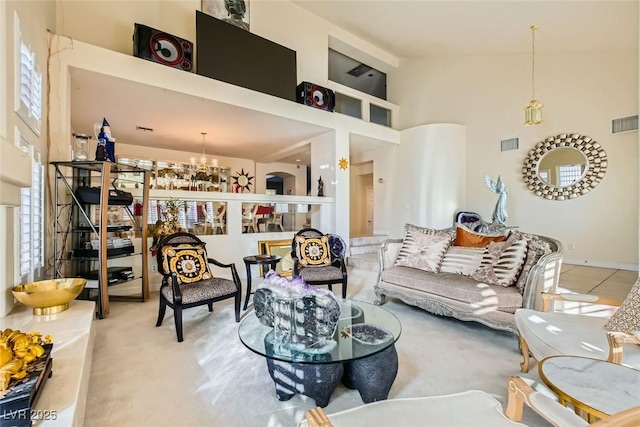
(242, 181)
(343, 163)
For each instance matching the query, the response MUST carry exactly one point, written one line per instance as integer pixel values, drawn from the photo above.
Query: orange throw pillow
(472, 239)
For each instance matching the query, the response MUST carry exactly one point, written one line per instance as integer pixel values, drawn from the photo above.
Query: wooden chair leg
(344, 289)
(330, 287)
(524, 348)
(177, 316)
(210, 307)
(161, 311)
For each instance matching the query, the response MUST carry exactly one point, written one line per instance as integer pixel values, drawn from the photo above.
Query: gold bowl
(49, 296)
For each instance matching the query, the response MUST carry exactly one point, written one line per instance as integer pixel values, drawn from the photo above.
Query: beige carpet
(141, 376)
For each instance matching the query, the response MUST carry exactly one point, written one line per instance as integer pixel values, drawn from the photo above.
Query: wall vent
(509, 144)
(624, 124)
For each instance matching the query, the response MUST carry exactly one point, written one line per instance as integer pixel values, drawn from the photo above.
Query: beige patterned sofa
(482, 284)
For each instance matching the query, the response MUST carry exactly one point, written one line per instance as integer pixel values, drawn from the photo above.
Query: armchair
(469, 408)
(549, 333)
(319, 258)
(249, 218)
(187, 281)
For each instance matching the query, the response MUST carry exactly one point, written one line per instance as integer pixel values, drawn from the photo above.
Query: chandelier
(533, 111)
(203, 166)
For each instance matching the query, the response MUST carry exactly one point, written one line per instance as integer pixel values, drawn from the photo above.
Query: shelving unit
(83, 229)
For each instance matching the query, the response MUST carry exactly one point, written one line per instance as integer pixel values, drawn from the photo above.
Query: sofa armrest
(388, 253)
(543, 277)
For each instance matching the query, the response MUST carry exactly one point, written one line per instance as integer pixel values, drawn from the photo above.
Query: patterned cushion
(502, 262)
(627, 316)
(462, 260)
(536, 248)
(203, 290)
(313, 251)
(322, 273)
(423, 248)
(188, 261)
(474, 239)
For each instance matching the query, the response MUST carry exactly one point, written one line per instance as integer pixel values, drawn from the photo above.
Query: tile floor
(604, 282)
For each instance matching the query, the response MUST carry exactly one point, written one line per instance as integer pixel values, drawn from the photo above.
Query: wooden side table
(270, 260)
(597, 387)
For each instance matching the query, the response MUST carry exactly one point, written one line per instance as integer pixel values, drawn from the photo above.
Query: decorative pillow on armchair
(423, 248)
(313, 250)
(627, 316)
(502, 261)
(188, 261)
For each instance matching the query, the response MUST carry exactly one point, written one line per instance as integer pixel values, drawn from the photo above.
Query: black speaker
(316, 96)
(163, 48)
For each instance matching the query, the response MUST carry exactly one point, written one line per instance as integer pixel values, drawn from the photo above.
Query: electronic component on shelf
(91, 196)
(114, 275)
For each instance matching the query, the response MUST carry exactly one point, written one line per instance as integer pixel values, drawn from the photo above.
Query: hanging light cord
(533, 61)
(203, 160)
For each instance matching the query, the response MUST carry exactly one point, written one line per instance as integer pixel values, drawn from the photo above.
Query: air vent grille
(509, 144)
(624, 124)
(359, 70)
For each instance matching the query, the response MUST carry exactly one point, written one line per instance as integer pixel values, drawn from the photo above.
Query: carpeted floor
(141, 376)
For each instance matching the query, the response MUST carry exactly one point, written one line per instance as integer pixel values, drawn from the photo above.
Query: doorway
(362, 201)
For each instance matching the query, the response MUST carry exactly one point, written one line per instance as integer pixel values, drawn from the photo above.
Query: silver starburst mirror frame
(595, 167)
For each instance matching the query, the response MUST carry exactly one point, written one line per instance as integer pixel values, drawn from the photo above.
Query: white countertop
(65, 393)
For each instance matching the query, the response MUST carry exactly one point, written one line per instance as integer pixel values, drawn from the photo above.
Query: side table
(597, 387)
(270, 260)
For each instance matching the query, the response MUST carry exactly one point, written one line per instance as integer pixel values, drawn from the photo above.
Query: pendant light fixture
(533, 111)
(203, 160)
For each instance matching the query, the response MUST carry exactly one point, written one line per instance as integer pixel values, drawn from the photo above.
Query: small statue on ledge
(320, 187)
(500, 215)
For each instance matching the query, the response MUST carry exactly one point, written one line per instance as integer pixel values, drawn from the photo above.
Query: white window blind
(32, 223)
(28, 82)
(569, 174)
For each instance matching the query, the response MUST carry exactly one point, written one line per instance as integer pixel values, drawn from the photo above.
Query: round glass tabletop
(363, 329)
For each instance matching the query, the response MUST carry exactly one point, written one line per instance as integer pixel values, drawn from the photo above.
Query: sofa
(468, 275)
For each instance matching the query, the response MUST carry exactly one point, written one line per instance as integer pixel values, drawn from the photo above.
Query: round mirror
(564, 167)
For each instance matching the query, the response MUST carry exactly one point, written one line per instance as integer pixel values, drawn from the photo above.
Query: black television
(230, 54)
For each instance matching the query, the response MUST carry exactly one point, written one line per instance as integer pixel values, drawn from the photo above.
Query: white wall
(581, 93)
(429, 183)
(15, 168)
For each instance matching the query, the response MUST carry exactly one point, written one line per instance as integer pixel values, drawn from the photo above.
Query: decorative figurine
(106, 143)
(320, 187)
(500, 211)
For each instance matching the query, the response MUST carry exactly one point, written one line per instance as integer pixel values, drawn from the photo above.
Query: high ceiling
(403, 28)
(422, 28)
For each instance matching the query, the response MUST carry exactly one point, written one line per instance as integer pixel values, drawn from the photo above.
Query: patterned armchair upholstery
(318, 258)
(187, 280)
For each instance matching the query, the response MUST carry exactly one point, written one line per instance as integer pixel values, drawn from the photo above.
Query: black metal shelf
(76, 230)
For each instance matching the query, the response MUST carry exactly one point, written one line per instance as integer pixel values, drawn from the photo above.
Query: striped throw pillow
(462, 260)
(502, 262)
(423, 248)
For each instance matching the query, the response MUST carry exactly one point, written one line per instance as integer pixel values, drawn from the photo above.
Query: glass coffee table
(364, 357)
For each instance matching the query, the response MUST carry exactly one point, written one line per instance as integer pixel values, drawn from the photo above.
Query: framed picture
(234, 12)
(282, 248)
